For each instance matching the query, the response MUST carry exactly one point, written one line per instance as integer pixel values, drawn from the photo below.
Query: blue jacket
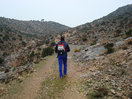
(67, 48)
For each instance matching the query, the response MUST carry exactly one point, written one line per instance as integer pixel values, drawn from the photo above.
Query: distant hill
(33, 27)
(112, 27)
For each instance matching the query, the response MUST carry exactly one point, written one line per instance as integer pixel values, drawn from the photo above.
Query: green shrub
(93, 43)
(5, 54)
(103, 23)
(39, 48)
(23, 43)
(20, 39)
(47, 42)
(118, 31)
(1, 60)
(32, 54)
(47, 51)
(6, 37)
(19, 36)
(129, 33)
(38, 44)
(30, 47)
(14, 38)
(84, 39)
(98, 93)
(109, 48)
(1, 41)
(52, 44)
(109, 45)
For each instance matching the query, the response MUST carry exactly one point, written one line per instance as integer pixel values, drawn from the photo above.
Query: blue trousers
(62, 61)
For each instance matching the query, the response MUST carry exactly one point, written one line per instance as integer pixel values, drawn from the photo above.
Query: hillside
(104, 54)
(22, 43)
(33, 27)
(16, 34)
(119, 12)
(111, 27)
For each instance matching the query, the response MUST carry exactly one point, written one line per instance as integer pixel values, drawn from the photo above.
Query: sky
(68, 12)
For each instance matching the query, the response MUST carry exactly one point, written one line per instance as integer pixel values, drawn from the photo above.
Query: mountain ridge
(34, 26)
(105, 27)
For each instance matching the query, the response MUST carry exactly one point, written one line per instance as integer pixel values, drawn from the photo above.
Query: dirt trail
(73, 78)
(32, 85)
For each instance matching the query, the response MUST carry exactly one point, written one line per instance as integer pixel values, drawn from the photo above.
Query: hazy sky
(68, 12)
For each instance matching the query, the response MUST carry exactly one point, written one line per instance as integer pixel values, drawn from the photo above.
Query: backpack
(61, 48)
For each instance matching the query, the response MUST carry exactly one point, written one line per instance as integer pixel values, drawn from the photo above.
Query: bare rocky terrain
(104, 53)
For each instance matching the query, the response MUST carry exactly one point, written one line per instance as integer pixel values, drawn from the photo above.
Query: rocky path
(32, 85)
(73, 78)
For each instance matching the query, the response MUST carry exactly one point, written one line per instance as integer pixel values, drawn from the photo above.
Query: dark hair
(62, 38)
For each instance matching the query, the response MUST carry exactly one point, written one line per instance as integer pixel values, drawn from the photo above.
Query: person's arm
(56, 50)
(68, 48)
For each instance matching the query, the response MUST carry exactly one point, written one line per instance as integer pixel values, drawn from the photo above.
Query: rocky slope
(104, 54)
(106, 75)
(18, 52)
(113, 27)
(22, 43)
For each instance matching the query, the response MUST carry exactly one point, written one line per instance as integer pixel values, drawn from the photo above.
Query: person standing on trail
(62, 48)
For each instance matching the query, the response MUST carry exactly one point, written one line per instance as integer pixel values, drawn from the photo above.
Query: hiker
(62, 48)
